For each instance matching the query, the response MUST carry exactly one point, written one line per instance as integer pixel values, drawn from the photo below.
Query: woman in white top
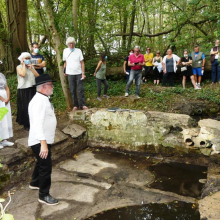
(6, 123)
(170, 62)
(26, 88)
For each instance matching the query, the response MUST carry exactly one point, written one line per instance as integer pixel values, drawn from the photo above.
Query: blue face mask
(27, 62)
(106, 57)
(72, 49)
(36, 50)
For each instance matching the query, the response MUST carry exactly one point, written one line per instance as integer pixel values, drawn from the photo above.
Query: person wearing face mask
(74, 69)
(186, 69)
(215, 55)
(148, 57)
(127, 69)
(26, 88)
(37, 59)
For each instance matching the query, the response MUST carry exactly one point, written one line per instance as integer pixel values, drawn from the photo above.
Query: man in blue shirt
(198, 63)
(37, 59)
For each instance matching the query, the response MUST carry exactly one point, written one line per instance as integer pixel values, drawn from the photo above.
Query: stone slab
(74, 130)
(49, 210)
(209, 207)
(91, 166)
(23, 142)
(11, 154)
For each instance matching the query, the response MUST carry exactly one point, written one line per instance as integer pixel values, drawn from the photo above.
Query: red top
(134, 59)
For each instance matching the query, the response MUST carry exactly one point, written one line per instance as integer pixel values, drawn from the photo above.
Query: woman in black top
(127, 68)
(186, 69)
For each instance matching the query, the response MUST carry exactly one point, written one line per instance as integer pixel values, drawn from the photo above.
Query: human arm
(124, 66)
(213, 52)
(40, 65)
(8, 94)
(36, 74)
(83, 69)
(98, 67)
(203, 64)
(130, 64)
(64, 66)
(43, 149)
(21, 71)
(37, 112)
(163, 65)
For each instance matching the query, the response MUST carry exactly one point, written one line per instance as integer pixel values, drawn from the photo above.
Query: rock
(209, 207)
(23, 142)
(206, 151)
(74, 130)
(136, 130)
(11, 154)
(59, 137)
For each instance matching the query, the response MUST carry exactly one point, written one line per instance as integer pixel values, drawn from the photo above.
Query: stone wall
(149, 132)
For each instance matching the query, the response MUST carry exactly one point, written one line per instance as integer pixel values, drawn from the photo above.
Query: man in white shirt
(215, 55)
(74, 68)
(42, 132)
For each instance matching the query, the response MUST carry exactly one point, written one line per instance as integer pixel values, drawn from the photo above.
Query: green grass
(153, 97)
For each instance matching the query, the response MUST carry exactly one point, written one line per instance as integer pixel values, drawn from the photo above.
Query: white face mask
(130, 53)
(185, 55)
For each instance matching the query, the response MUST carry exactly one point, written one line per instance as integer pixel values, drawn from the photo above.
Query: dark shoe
(33, 187)
(48, 200)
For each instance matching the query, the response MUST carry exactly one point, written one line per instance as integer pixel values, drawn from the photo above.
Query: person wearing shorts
(198, 63)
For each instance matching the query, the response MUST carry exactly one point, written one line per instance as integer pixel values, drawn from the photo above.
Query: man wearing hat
(42, 132)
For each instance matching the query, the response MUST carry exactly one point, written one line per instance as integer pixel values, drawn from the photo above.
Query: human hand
(43, 151)
(65, 74)
(83, 76)
(7, 101)
(94, 74)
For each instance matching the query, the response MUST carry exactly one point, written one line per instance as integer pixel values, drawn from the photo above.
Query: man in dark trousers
(42, 132)
(214, 60)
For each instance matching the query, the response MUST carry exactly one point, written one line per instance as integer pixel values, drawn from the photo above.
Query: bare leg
(184, 82)
(155, 82)
(195, 77)
(193, 81)
(158, 81)
(199, 79)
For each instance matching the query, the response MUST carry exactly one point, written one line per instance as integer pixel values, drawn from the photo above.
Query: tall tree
(17, 28)
(74, 13)
(57, 43)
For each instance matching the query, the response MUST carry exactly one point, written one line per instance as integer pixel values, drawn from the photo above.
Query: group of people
(36, 113)
(192, 66)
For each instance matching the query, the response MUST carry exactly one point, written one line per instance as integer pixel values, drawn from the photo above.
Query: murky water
(170, 211)
(180, 178)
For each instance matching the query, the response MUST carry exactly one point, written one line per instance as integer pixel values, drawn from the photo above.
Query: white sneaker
(106, 96)
(7, 143)
(126, 94)
(99, 99)
(1, 147)
(138, 97)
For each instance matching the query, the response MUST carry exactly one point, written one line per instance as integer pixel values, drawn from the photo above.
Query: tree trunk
(124, 28)
(92, 14)
(132, 23)
(57, 43)
(74, 13)
(17, 28)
